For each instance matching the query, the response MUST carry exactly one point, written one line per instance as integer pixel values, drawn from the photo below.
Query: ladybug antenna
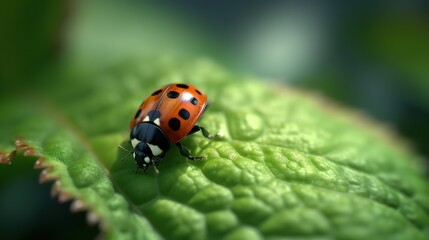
(126, 150)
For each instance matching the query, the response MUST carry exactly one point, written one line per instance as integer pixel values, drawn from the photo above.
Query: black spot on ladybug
(172, 94)
(157, 92)
(198, 91)
(153, 115)
(174, 124)
(137, 114)
(194, 101)
(182, 85)
(183, 113)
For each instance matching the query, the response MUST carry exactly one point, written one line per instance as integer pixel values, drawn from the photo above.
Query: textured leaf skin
(288, 165)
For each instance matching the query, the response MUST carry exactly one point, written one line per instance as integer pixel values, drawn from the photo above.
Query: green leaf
(289, 165)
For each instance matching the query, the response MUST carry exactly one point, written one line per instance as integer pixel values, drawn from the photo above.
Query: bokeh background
(371, 56)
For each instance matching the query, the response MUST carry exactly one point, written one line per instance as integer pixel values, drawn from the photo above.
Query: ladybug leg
(206, 133)
(186, 153)
(154, 164)
(195, 129)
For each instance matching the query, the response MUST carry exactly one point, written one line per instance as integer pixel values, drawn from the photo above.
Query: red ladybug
(167, 116)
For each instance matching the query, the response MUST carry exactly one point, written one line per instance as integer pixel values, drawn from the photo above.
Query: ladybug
(167, 116)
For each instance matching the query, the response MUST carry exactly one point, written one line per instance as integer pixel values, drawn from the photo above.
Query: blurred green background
(372, 56)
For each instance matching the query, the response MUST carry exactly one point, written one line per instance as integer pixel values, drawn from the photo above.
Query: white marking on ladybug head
(146, 159)
(187, 96)
(156, 121)
(134, 155)
(134, 142)
(155, 149)
(146, 119)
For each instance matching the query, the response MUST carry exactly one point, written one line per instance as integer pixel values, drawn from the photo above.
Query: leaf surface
(289, 164)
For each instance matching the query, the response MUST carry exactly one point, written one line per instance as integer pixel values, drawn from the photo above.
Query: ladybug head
(142, 152)
(142, 155)
(150, 144)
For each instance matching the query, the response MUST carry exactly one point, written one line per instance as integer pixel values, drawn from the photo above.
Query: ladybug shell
(178, 107)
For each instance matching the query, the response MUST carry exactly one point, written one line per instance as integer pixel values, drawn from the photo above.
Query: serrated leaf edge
(46, 176)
